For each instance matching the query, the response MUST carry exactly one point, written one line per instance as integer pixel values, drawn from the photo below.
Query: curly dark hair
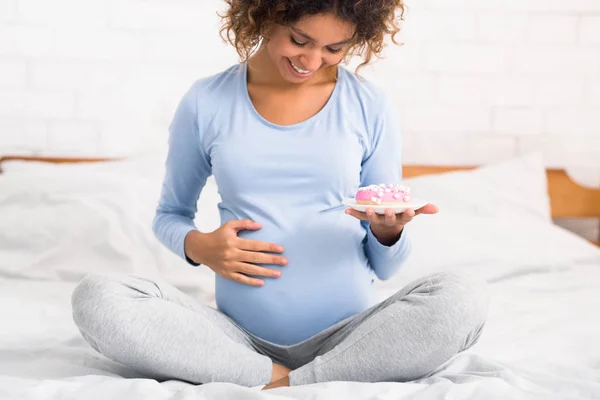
(246, 22)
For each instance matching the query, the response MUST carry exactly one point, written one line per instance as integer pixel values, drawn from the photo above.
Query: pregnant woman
(288, 134)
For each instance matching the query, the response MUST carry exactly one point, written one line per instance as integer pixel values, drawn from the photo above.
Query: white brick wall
(459, 90)
(64, 13)
(542, 6)
(589, 30)
(555, 59)
(475, 81)
(552, 29)
(501, 27)
(559, 91)
(444, 119)
(13, 73)
(517, 121)
(593, 85)
(509, 91)
(465, 58)
(573, 122)
(8, 10)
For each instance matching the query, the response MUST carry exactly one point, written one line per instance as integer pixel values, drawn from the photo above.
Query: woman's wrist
(192, 244)
(386, 235)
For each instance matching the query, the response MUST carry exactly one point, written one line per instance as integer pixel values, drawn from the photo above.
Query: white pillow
(62, 222)
(494, 222)
(517, 187)
(147, 168)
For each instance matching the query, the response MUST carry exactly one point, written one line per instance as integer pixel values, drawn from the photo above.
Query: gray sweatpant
(158, 330)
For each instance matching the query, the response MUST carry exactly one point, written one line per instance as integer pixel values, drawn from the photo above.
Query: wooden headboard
(54, 160)
(567, 198)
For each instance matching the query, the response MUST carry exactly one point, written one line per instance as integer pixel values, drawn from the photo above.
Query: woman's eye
(297, 43)
(332, 50)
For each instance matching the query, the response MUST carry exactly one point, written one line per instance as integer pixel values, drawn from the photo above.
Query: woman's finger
(427, 209)
(406, 216)
(241, 278)
(257, 245)
(390, 217)
(357, 214)
(372, 217)
(257, 257)
(249, 269)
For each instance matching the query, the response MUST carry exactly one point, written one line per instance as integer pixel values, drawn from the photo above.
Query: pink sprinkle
(406, 198)
(380, 194)
(397, 196)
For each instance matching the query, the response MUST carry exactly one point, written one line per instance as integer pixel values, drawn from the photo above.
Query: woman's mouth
(303, 73)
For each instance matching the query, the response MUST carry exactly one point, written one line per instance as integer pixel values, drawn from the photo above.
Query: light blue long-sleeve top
(292, 179)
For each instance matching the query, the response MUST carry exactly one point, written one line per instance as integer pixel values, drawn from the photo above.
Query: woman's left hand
(387, 228)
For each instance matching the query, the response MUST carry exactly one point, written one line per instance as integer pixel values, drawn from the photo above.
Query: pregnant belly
(327, 279)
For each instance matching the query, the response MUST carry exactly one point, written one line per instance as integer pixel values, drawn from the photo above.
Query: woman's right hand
(233, 257)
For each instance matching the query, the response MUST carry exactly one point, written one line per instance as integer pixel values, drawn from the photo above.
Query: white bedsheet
(541, 341)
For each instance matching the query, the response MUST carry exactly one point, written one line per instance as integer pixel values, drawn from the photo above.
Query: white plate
(415, 204)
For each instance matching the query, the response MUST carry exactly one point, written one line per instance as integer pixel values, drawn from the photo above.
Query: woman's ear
(267, 31)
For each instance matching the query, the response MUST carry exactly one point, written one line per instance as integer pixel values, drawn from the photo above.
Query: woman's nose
(312, 61)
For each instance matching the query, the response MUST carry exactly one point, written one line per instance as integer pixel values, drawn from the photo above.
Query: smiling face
(312, 44)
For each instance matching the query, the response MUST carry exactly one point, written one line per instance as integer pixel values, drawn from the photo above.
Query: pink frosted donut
(383, 194)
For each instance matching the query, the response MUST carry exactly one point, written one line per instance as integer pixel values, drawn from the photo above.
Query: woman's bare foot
(280, 375)
(279, 371)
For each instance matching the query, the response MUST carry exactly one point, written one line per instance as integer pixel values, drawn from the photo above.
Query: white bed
(60, 222)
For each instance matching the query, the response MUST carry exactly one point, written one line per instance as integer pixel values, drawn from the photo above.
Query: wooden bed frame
(567, 198)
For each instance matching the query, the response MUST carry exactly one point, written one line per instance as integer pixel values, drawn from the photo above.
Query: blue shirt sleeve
(186, 172)
(383, 165)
